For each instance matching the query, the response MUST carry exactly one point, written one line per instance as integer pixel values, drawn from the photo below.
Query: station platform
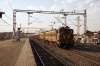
(16, 53)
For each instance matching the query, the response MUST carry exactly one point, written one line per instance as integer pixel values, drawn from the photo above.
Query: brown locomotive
(62, 37)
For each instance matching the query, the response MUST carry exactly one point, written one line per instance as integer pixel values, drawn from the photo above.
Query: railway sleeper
(48, 59)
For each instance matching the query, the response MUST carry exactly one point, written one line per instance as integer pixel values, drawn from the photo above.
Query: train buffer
(16, 53)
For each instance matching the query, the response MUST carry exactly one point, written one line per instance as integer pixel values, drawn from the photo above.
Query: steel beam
(46, 12)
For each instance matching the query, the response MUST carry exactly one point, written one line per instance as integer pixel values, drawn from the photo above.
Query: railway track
(92, 59)
(79, 58)
(44, 57)
(89, 55)
(91, 48)
(90, 52)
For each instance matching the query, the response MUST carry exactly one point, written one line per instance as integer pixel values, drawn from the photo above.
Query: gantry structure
(47, 12)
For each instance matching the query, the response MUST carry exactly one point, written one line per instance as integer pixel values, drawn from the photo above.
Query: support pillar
(85, 20)
(78, 25)
(65, 20)
(14, 25)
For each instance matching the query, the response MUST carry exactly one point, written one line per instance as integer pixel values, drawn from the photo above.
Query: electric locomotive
(62, 37)
(66, 37)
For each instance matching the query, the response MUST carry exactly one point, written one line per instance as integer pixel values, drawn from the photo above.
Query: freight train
(62, 37)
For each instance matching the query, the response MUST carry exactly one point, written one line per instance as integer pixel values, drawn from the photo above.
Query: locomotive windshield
(69, 31)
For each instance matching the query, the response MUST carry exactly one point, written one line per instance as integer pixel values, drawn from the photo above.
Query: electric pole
(29, 16)
(65, 19)
(20, 25)
(85, 20)
(78, 25)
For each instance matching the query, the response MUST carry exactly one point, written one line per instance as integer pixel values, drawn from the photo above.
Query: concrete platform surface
(16, 53)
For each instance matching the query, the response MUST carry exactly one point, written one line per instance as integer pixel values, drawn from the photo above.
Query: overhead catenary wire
(50, 5)
(47, 3)
(78, 4)
(96, 3)
(7, 16)
(43, 14)
(10, 5)
(72, 22)
(93, 12)
(47, 8)
(6, 22)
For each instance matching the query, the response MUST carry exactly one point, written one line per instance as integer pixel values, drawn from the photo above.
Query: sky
(46, 20)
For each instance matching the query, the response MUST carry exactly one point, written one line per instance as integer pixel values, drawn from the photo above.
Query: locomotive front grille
(66, 38)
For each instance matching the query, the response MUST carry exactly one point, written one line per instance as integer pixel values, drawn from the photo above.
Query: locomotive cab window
(66, 31)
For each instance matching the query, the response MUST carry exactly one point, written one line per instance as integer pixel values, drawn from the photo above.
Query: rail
(46, 58)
